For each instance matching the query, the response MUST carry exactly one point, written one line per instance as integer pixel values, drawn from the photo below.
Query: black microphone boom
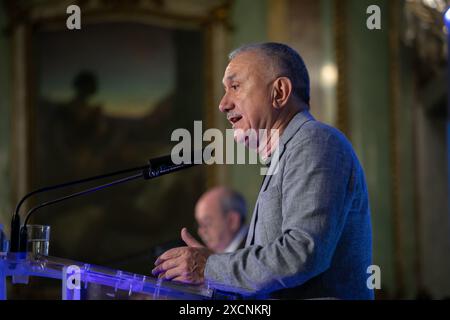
(156, 167)
(15, 224)
(164, 165)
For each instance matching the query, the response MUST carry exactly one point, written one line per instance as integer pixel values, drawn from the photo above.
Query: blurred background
(77, 103)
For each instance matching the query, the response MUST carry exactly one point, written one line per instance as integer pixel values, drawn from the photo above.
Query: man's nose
(225, 104)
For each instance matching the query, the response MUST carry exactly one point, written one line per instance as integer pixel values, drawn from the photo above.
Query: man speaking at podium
(310, 234)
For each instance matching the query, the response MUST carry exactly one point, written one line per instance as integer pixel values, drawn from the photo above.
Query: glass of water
(38, 239)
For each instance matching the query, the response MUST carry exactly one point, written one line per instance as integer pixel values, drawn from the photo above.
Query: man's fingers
(165, 265)
(184, 264)
(173, 273)
(181, 279)
(185, 280)
(169, 254)
(189, 239)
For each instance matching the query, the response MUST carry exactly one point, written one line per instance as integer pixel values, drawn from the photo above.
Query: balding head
(220, 213)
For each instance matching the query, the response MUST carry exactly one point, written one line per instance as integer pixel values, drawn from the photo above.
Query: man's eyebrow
(230, 77)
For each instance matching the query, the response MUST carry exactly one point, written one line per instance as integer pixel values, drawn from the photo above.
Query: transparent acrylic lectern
(82, 281)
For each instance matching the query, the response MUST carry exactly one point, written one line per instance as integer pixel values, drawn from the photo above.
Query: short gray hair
(287, 60)
(234, 201)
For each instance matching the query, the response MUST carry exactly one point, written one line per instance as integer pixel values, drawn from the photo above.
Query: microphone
(165, 165)
(15, 224)
(156, 167)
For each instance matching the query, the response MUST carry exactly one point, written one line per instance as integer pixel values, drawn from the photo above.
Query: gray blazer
(310, 234)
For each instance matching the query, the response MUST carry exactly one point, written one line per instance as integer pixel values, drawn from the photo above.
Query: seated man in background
(220, 214)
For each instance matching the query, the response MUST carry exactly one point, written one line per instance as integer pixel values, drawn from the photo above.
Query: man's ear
(234, 221)
(282, 91)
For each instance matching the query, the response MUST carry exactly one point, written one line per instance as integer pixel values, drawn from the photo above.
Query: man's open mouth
(234, 119)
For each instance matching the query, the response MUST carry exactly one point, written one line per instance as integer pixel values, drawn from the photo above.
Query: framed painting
(107, 97)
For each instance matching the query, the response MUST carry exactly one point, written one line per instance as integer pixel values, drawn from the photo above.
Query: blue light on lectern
(447, 16)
